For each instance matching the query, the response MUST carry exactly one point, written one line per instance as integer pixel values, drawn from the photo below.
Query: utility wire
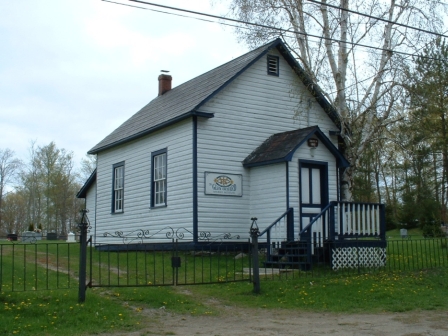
(170, 13)
(376, 18)
(257, 25)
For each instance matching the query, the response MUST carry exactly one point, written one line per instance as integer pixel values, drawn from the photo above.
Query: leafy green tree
(364, 185)
(9, 167)
(14, 213)
(427, 85)
(50, 186)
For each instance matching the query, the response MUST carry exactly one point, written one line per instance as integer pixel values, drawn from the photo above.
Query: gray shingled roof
(280, 147)
(183, 101)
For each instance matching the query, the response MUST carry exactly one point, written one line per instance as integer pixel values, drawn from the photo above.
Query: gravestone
(404, 233)
(52, 236)
(31, 236)
(71, 238)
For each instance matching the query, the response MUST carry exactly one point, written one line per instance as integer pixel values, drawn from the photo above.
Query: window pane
(159, 182)
(118, 188)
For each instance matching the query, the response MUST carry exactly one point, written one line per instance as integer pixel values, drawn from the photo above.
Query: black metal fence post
(175, 263)
(83, 228)
(254, 231)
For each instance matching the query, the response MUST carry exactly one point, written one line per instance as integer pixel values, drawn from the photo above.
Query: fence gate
(140, 259)
(166, 264)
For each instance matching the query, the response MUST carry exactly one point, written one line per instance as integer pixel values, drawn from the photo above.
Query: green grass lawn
(57, 312)
(37, 310)
(120, 309)
(414, 233)
(28, 267)
(380, 292)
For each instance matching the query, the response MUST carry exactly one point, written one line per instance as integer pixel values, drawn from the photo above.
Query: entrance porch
(344, 234)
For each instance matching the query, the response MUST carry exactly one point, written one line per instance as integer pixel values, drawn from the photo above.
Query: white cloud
(72, 71)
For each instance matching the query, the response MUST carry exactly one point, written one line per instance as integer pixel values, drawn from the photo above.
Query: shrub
(432, 230)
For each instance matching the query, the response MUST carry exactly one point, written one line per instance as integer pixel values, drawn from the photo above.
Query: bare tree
(88, 165)
(356, 59)
(9, 167)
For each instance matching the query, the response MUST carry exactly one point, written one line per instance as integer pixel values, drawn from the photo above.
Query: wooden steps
(289, 255)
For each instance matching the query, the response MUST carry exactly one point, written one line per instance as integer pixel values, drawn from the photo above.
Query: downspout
(290, 216)
(96, 201)
(287, 185)
(195, 180)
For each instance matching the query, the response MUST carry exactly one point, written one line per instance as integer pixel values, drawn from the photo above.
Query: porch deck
(343, 233)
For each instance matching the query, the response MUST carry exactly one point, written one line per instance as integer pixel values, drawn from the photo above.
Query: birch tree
(355, 59)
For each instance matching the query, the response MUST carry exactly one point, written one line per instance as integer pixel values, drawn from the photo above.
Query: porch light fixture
(312, 144)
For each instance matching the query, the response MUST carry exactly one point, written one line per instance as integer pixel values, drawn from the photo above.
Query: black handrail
(268, 231)
(316, 218)
(275, 222)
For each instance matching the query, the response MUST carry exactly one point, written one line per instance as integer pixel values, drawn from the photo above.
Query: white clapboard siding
(268, 193)
(91, 204)
(248, 111)
(137, 214)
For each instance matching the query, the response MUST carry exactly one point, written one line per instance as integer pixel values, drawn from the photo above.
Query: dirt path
(243, 321)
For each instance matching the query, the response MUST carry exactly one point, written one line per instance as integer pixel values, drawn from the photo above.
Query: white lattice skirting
(353, 257)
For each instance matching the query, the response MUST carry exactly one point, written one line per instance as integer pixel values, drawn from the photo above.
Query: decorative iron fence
(47, 265)
(289, 260)
(28, 264)
(173, 262)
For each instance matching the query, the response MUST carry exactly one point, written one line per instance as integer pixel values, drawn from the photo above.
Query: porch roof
(281, 147)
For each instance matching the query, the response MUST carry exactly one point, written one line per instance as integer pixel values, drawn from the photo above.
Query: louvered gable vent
(273, 63)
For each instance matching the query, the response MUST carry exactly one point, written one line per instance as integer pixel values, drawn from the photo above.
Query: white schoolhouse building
(254, 137)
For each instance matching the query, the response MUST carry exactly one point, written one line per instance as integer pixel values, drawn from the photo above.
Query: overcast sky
(72, 71)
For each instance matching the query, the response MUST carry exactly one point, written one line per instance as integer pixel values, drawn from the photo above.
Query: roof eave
(341, 160)
(82, 193)
(153, 129)
(264, 163)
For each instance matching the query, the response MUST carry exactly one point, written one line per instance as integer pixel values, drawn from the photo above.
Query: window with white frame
(118, 188)
(159, 178)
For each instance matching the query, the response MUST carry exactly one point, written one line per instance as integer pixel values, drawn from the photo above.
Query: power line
(170, 13)
(376, 18)
(354, 44)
